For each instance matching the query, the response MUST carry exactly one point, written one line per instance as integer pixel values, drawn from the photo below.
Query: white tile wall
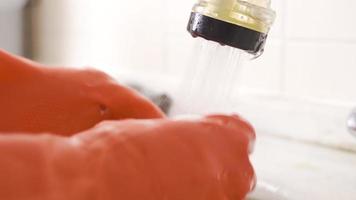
(325, 71)
(321, 19)
(317, 41)
(265, 73)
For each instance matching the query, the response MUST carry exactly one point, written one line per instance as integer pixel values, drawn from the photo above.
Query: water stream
(211, 80)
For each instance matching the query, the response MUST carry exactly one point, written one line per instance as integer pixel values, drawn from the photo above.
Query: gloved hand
(35, 98)
(153, 159)
(162, 159)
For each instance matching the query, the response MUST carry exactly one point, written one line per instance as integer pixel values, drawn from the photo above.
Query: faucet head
(242, 24)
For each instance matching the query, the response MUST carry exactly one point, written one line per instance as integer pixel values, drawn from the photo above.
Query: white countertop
(303, 171)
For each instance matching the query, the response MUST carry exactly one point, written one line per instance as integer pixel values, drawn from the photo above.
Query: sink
(294, 170)
(266, 191)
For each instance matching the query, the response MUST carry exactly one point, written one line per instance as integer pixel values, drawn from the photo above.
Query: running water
(212, 78)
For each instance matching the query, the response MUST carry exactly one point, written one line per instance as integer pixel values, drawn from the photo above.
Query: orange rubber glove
(35, 98)
(162, 159)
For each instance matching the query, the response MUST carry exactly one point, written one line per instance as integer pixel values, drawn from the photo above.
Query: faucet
(241, 24)
(351, 123)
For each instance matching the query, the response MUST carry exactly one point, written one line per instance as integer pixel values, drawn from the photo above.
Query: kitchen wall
(310, 52)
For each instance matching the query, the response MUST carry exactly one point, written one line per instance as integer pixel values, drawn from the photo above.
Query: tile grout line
(283, 53)
(322, 40)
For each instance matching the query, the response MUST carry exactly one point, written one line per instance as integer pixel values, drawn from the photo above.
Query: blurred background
(302, 88)
(309, 51)
(307, 73)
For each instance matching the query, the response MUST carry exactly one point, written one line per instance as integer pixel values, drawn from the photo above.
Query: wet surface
(304, 171)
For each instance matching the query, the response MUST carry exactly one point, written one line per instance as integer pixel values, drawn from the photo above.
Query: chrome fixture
(351, 123)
